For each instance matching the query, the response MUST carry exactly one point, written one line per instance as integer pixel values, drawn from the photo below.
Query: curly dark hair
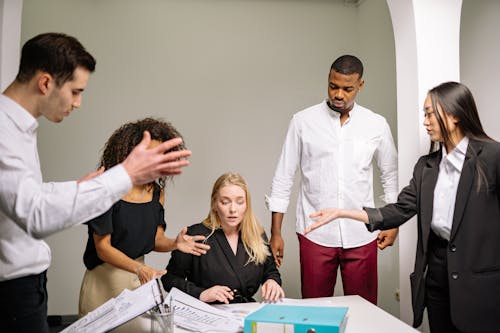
(129, 135)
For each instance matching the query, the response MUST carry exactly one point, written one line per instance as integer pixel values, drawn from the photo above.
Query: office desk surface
(363, 315)
(366, 317)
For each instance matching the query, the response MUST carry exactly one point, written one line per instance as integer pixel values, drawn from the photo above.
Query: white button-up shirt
(31, 209)
(335, 163)
(445, 192)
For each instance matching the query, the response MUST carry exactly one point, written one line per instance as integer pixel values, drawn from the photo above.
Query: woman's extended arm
(183, 242)
(327, 215)
(108, 253)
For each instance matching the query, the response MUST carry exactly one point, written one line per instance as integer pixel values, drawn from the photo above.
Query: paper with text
(195, 315)
(117, 311)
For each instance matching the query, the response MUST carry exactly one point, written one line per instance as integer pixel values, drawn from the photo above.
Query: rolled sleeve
(375, 219)
(276, 204)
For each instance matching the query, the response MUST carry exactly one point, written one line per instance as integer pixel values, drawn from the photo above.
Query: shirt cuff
(276, 205)
(375, 219)
(117, 181)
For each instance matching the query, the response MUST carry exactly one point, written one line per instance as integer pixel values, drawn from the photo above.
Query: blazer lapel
(429, 178)
(465, 185)
(232, 259)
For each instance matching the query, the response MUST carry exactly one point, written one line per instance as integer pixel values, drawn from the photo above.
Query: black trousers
(23, 304)
(437, 289)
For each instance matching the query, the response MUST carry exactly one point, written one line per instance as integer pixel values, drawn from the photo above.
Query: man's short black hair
(55, 53)
(347, 65)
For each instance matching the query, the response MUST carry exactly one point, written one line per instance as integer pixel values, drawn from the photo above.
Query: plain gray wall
(229, 74)
(479, 59)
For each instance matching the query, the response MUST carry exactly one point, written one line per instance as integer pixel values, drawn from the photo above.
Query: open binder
(117, 311)
(190, 313)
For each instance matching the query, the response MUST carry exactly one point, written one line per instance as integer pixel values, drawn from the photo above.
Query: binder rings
(273, 318)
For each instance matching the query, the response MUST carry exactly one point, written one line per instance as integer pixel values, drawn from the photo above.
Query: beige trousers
(105, 282)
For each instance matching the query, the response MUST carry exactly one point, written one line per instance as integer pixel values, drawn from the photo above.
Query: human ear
(361, 84)
(44, 82)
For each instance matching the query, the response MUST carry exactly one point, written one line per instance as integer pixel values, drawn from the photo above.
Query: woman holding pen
(239, 260)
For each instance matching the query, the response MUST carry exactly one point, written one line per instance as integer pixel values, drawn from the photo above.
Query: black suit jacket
(219, 266)
(474, 247)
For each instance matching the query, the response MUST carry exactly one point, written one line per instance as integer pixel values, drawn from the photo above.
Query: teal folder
(272, 318)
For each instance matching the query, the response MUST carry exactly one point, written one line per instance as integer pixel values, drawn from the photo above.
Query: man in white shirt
(333, 144)
(53, 73)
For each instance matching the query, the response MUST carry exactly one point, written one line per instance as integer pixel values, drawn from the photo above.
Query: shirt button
(454, 276)
(453, 248)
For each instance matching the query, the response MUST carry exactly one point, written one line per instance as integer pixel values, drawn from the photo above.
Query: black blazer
(219, 266)
(474, 247)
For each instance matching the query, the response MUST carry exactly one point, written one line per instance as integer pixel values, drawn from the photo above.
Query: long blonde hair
(250, 229)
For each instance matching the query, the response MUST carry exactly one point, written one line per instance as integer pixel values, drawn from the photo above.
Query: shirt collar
(456, 157)
(336, 114)
(19, 115)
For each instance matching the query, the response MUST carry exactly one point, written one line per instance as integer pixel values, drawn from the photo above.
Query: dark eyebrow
(341, 87)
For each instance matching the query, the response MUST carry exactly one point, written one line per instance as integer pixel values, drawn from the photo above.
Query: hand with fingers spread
(189, 244)
(145, 165)
(322, 217)
(222, 294)
(327, 215)
(272, 291)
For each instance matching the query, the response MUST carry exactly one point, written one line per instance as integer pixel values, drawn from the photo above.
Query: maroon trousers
(319, 265)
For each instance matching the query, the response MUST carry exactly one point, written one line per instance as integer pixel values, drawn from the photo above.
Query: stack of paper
(189, 312)
(197, 316)
(119, 310)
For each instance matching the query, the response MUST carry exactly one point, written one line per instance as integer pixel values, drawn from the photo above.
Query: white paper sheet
(126, 306)
(190, 313)
(195, 315)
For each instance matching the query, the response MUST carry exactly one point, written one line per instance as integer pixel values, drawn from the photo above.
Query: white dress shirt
(335, 163)
(445, 192)
(31, 209)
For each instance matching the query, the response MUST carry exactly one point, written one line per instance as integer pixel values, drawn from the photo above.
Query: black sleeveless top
(132, 227)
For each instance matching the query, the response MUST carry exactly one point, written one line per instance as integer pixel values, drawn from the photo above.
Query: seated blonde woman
(239, 260)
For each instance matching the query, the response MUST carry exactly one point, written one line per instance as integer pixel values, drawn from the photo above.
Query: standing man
(334, 144)
(53, 73)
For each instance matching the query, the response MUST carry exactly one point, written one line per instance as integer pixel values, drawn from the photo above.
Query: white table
(366, 317)
(363, 315)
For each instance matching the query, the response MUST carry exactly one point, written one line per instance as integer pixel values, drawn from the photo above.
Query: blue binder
(272, 318)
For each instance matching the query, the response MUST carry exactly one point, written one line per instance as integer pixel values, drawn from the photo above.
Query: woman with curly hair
(239, 260)
(133, 227)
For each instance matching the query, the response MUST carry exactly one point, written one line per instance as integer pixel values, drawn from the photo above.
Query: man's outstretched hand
(146, 165)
